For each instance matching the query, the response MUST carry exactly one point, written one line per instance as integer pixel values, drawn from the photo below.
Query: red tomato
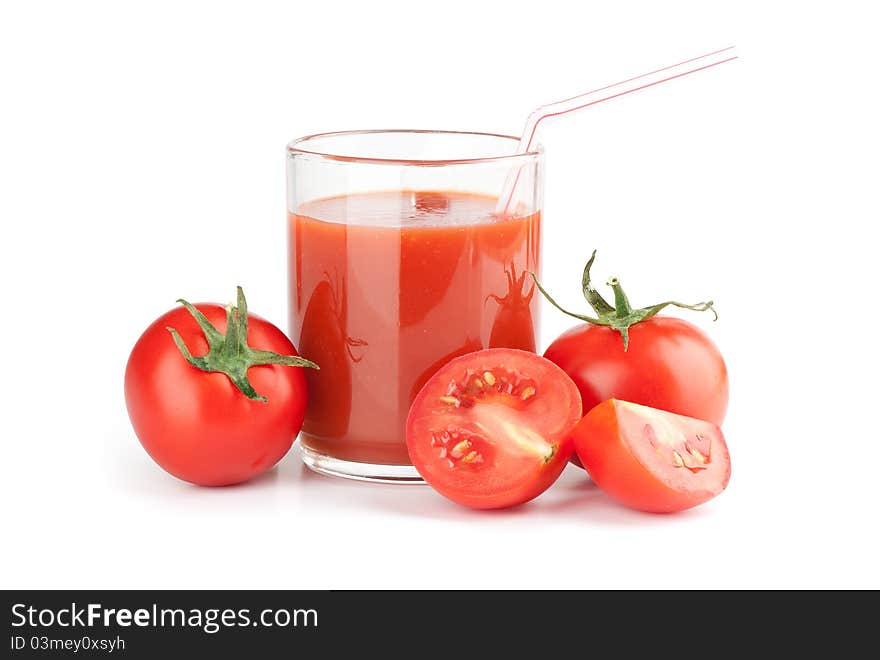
(669, 364)
(651, 459)
(632, 354)
(490, 429)
(198, 425)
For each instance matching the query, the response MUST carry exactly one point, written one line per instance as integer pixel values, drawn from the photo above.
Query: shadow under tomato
(409, 500)
(141, 475)
(573, 499)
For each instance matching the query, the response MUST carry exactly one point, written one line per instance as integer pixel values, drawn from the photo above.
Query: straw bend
(606, 93)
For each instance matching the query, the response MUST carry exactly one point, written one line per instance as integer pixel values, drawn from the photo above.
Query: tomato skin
(197, 425)
(521, 434)
(670, 364)
(605, 443)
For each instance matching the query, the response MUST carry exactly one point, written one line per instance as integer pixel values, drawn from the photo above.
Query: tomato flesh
(490, 429)
(650, 459)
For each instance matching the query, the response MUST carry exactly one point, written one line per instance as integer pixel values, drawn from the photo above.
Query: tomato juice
(386, 288)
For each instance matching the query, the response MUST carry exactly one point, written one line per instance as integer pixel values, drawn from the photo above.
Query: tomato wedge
(490, 429)
(650, 459)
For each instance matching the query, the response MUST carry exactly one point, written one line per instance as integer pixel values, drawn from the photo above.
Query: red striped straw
(606, 93)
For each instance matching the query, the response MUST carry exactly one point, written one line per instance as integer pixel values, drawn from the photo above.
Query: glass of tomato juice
(400, 259)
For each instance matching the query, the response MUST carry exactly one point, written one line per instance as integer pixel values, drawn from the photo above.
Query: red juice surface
(386, 288)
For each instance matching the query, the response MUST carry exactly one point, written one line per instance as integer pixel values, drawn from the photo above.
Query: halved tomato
(650, 459)
(490, 429)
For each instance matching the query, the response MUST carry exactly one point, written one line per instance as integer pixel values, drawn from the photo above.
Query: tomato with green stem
(635, 355)
(212, 394)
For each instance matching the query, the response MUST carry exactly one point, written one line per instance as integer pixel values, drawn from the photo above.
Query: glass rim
(295, 147)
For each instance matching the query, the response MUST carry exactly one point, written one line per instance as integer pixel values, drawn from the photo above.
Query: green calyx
(620, 316)
(230, 354)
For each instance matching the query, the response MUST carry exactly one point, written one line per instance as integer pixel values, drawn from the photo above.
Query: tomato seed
(451, 400)
(489, 377)
(698, 456)
(472, 457)
(459, 449)
(527, 392)
(677, 459)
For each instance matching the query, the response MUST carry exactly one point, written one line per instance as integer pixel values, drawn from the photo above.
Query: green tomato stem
(621, 316)
(230, 354)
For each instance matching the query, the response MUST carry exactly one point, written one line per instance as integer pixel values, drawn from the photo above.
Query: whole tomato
(632, 355)
(670, 364)
(211, 393)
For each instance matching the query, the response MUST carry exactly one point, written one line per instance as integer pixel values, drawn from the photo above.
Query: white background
(142, 159)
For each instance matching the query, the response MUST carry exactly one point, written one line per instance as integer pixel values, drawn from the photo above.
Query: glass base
(381, 474)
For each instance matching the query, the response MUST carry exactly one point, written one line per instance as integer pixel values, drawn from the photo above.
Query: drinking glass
(401, 258)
